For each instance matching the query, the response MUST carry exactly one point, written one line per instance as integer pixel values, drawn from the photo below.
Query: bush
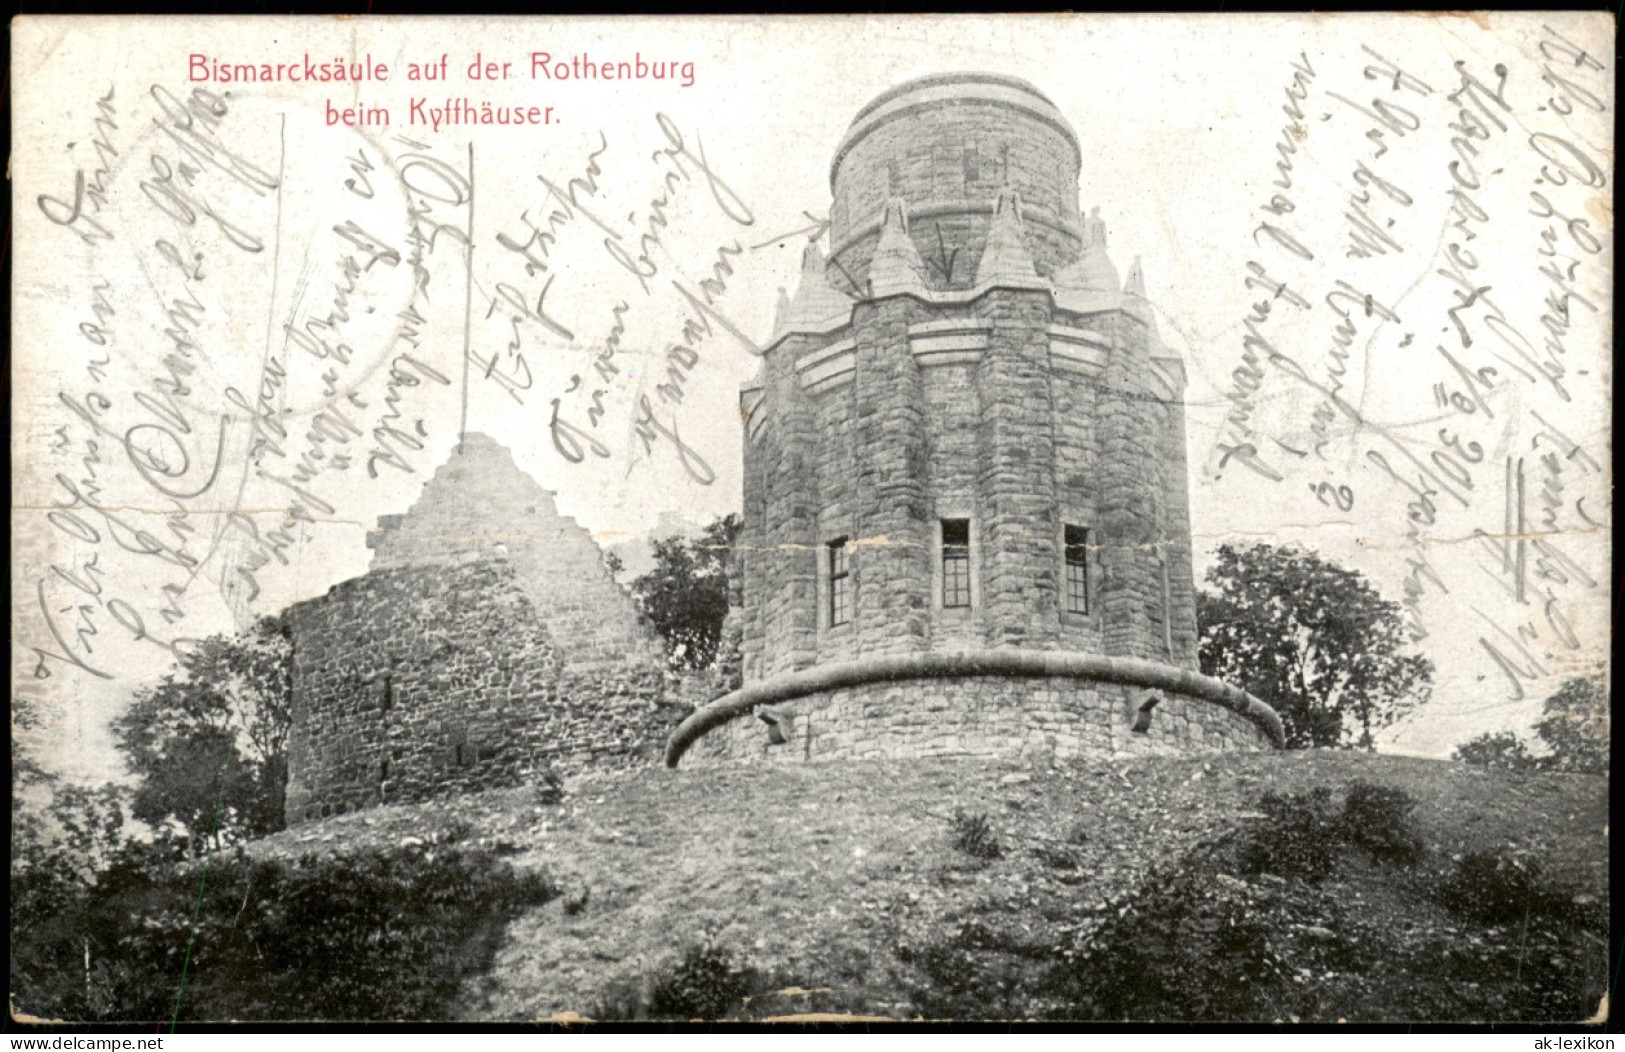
(978, 972)
(705, 984)
(974, 835)
(621, 1001)
(378, 935)
(1187, 945)
(1300, 840)
(1303, 835)
(1493, 889)
(547, 784)
(1503, 750)
(1378, 819)
(1056, 858)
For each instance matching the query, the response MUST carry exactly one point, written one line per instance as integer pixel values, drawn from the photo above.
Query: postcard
(863, 518)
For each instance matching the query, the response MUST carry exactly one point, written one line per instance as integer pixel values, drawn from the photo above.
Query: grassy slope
(827, 877)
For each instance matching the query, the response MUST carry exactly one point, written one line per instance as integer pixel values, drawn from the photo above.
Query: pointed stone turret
(1006, 261)
(896, 266)
(1136, 302)
(1089, 283)
(817, 305)
(781, 313)
(1167, 365)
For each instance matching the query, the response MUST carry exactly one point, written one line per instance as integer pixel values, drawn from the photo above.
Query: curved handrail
(1024, 663)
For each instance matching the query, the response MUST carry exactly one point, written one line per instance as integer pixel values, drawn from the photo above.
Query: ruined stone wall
(976, 716)
(427, 681)
(479, 501)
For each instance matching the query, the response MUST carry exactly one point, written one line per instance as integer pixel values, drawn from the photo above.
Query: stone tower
(966, 522)
(486, 647)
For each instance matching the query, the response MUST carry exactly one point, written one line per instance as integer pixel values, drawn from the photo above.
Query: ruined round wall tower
(965, 492)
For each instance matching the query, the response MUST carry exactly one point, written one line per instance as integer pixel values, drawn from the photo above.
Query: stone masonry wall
(976, 716)
(427, 681)
(480, 501)
(953, 407)
(1176, 538)
(1010, 442)
(1015, 467)
(953, 155)
(784, 543)
(1077, 494)
(891, 586)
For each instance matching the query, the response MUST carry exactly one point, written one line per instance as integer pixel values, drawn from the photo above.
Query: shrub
(620, 1001)
(547, 784)
(1056, 857)
(1378, 819)
(1502, 750)
(1494, 889)
(974, 835)
(1300, 839)
(382, 934)
(575, 903)
(1186, 946)
(444, 829)
(705, 984)
(978, 972)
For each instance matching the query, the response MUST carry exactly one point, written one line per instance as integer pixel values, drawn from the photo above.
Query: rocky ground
(837, 884)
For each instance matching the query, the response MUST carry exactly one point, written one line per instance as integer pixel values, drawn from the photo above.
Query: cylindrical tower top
(946, 145)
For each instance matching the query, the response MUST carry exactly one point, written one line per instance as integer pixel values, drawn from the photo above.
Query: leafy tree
(1314, 640)
(686, 594)
(30, 785)
(91, 822)
(1574, 728)
(208, 743)
(56, 823)
(62, 836)
(382, 933)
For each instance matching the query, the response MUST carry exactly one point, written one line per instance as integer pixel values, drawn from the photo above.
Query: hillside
(839, 888)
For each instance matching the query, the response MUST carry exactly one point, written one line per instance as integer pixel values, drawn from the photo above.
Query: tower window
(1077, 570)
(955, 562)
(973, 172)
(840, 582)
